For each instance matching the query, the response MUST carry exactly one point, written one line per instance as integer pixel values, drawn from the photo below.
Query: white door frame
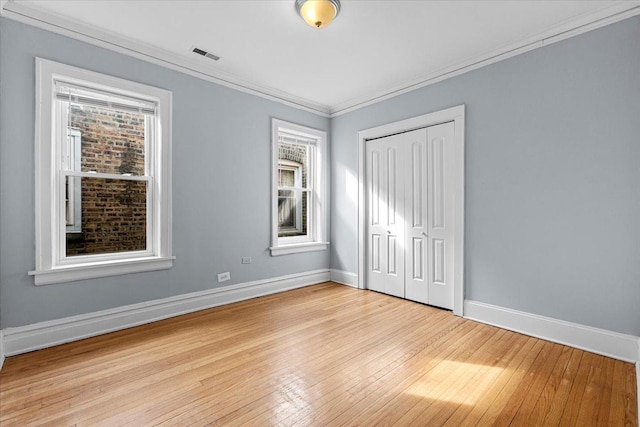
(457, 115)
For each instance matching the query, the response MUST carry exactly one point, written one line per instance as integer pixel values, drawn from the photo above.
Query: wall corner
(1, 349)
(638, 379)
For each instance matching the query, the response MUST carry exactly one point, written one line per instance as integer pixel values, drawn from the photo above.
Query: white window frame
(296, 168)
(73, 190)
(52, 264)
(316, 238)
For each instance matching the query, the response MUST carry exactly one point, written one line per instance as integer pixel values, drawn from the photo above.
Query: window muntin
(103, 169)
(298, 213)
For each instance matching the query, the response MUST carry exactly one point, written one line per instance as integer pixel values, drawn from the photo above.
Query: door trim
(456, 115)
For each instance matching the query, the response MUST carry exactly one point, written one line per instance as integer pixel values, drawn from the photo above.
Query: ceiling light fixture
(318, 13)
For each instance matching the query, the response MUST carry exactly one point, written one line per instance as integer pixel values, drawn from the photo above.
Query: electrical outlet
(246, 260)
(223, 277)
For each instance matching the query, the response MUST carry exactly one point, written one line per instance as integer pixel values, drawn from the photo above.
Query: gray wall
(221, 183)
(552, 221)
(552, 180)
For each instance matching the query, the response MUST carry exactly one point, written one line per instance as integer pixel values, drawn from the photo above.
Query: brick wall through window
(114, 212)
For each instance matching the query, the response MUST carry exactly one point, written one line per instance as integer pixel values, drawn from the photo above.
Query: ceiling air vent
(205, 53)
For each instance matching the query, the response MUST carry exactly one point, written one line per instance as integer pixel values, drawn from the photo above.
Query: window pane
(114, 217)
(112, 141)
(292, 213)
(294, 158)
(72, 204)
(286, 177)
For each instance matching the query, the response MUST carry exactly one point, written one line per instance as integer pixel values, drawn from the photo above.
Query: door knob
(424, 234)
(388, 232)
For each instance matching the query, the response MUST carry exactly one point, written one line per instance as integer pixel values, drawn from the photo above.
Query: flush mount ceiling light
(318, 13)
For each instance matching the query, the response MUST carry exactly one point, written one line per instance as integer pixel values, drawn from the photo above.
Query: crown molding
(2, 5)
(618, 11)
(196, 68)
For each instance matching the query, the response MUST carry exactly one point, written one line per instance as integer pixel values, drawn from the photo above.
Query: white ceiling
(372, 49)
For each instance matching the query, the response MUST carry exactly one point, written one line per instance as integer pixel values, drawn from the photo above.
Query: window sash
(62, 121)
(124, 177)
(298, 224)
(310, 144)
(63, 259)
(294, 138)
(82, 95)
(62, 105)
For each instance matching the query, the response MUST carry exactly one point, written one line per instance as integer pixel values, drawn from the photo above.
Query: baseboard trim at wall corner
(22, 339)
(600, 341)
(344, 277)
(638, 380)
(1, 349)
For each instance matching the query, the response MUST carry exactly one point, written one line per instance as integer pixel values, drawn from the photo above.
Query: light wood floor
(325, 355)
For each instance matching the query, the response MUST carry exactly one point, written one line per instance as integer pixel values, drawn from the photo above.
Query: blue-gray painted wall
(552, 219)
(221, 183)
(552, 180)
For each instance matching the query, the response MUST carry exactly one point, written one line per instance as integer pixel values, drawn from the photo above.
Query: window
(103, 175)
(299, 200)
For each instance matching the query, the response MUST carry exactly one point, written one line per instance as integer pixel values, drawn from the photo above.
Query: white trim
(3, 3)
(571, 28)
(102, 269)
(197, 67)
(51, 264)
(599, 341)
(638, 380)
(344, 278)
(19, 12)
(296, 248)
(317, 210)
(23, 339)
(1, 349)
(457, 115)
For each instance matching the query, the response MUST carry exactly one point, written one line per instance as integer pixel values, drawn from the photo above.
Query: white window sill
(298, 248)
(101, 269)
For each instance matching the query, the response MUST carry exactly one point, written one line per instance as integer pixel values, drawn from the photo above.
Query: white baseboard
(46, 334)
(344, 278)
(1, 350)
(638, 380)
(599, 341)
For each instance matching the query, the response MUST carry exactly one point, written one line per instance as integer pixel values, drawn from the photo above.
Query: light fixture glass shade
(318, 13)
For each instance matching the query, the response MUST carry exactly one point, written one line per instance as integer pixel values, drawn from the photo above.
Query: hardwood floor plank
(558, 395)
(578, 387)
(604, 397)
(234, 355)
(225, 378)
(383, 376)
(543, 380)
(493, 401)
(335, 373)
(486, 385)
(446, 395)
(588, 411)
(324, 355)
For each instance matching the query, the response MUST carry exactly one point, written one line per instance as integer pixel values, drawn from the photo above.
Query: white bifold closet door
(410, 213)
